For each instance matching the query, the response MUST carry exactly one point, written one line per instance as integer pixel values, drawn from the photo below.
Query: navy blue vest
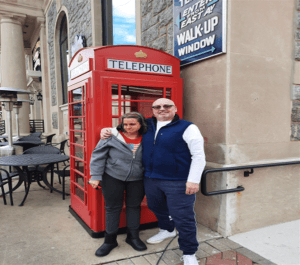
(168, 157)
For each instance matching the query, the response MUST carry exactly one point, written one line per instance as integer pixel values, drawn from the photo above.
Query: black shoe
(134, 240)
(109, 244)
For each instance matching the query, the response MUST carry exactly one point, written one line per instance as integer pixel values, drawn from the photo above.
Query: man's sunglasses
(164, 106)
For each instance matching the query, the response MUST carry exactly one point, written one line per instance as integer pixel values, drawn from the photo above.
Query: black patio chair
(61, 148)
(6, 179)
(63, 174)
(48, 139)
(37, 171)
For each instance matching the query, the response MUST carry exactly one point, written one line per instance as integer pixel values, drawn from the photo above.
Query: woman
(116, 163)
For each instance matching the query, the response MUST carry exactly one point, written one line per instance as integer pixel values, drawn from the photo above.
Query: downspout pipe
(107, 22)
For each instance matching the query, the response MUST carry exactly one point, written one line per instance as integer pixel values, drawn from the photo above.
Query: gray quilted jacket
(114, 157)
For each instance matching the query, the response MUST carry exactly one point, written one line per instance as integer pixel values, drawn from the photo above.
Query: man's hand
(191, 188)
(94, 183)
(105, 133)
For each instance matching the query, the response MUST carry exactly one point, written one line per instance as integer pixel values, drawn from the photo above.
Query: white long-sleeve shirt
(192, 136)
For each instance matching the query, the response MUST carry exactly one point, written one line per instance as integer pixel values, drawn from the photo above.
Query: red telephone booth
(107, 82)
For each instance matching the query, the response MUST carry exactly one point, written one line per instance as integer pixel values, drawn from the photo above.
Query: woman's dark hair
(140, 118)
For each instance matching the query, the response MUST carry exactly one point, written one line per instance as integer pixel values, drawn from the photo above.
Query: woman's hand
(105, 133)
(94, 183)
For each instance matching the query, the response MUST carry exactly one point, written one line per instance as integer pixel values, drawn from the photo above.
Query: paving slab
(201, 253)
(217, 244)
(229, 243)
(153, 259)
(279, 243)
(208, 248)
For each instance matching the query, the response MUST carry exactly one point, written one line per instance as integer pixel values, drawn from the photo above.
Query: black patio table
(24, 161)
(26, 144)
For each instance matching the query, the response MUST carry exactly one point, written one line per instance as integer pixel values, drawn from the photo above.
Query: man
(174, 159)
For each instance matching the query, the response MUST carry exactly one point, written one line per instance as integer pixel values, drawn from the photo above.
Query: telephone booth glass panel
(133, 99)
(78, 143)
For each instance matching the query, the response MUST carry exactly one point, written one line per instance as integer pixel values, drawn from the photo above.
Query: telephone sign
(139, 67)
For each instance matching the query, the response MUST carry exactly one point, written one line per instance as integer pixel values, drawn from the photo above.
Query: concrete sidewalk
(279, 243)
(44, 232)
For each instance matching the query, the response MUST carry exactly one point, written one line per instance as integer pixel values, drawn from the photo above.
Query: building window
(64, 58)
(36, 56)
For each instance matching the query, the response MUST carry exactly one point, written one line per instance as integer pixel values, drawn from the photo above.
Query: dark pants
(167, 198)
(113, 193)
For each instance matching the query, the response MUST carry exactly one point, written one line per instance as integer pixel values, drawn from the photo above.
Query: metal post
(8, 108)
(107, 22)
(17, 123)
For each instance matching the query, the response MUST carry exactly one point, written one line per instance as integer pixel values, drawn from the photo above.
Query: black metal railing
(246, 174)
(2, 127)
(36, 126)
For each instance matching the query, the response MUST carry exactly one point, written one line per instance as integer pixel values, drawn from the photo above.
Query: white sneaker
(161, 236)
(189, 260)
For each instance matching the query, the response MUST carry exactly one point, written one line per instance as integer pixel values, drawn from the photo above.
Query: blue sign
(199, 29)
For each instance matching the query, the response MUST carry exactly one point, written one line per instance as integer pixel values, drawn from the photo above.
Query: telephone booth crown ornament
(140, 54)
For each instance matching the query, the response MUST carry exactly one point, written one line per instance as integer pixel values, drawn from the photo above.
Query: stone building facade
(79, 20)
(295, 136)
(52, 14)
(157, 24)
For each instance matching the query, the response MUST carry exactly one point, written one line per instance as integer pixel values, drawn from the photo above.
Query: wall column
(13, 70)
(45, 78)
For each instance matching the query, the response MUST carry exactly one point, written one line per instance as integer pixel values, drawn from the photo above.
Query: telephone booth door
(98, 96)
